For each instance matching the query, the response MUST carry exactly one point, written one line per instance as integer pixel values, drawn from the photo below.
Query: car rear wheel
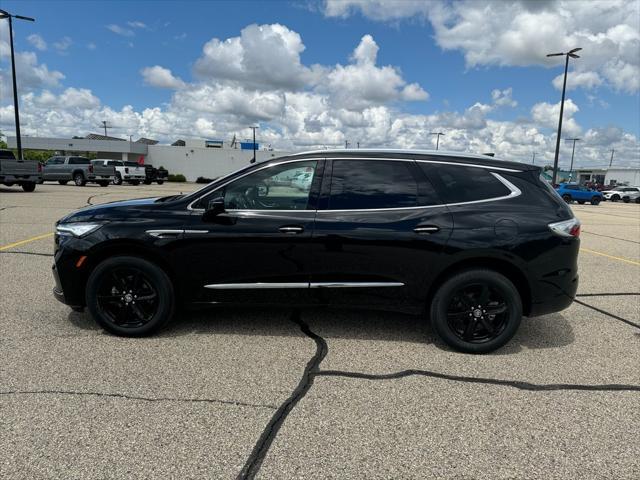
(29, 186)
(595, 200)
(638, 200)
(130, 296)
(476, 311)
(79, 180)
(63, 182)
(626, 199)
(566, 197)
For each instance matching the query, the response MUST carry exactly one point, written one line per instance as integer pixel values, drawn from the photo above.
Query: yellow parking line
(632, 262)
(22, 242)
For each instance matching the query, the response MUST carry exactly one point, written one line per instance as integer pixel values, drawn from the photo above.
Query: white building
(191, 158)
(608, 176)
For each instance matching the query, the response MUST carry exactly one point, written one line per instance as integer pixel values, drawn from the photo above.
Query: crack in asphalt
(260, 450)
(136, 397)
(94, 196)
(31, 253)
(609, 236)
(612, 294)
(312, 370)
(520, 385)
(4, 208)
(609, 314)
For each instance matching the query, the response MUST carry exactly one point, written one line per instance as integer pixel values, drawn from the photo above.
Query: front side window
(280, 187)
(372, 184)
(459, 184)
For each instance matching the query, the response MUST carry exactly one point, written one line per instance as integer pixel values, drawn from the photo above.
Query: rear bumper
(554, 294)
(20, 178)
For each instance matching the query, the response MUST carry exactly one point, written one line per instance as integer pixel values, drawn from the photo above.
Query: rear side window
(360, 184)
(79, 161)
(131, 164)
(457, 184)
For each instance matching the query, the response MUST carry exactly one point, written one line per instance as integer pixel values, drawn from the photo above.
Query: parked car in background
(128, 172)
(80, 170)
(470, 243)
(25, 173)
(158, 175)
(573, 192)
(624, 193)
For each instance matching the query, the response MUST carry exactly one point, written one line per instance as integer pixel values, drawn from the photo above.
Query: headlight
(79, 229)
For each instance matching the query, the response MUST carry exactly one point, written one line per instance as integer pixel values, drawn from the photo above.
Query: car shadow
(549, 331)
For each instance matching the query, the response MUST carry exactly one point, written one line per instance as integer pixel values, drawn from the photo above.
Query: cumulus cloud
(122, 31)
(137, 24)
(37, 41)
(494, 32)
(32, 75)
(62, 45)
(160, 77)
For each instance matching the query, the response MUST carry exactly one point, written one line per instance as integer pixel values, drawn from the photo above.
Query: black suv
(474, 242)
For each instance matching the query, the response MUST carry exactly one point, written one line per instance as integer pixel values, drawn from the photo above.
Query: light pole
(533, 161)
(8, 16)
(573, 151)
(611, 161)
(572, 54)
(437, 138)
(253, 160)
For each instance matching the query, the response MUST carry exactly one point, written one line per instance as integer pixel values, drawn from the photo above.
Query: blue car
(573, 192)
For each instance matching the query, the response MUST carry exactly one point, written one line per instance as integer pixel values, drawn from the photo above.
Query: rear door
(379, 232)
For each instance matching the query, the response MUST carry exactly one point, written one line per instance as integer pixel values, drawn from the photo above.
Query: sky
(316, 74)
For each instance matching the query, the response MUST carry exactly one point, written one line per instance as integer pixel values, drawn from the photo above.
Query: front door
(258, 249)
(378, 236)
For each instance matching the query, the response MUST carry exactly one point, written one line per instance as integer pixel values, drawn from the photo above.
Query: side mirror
(214, 208)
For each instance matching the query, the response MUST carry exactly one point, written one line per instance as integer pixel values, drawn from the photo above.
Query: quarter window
(458, 184)
(281, 187)
(367, 184)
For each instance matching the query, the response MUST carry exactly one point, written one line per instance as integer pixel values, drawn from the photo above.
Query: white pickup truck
(129, 172)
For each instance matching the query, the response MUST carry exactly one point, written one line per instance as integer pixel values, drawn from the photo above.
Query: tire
(103, 184)
(135, 182)
(451, 310)
(147, 182)
(626, 199)
(638, 200)
(615, 198)
(117, 179)
(595, 200)
(8, 184)
(581, 202)
(121, 316)
(160, 182)
(567, 198)
(29, 186)
(79, 180)
(63, 182)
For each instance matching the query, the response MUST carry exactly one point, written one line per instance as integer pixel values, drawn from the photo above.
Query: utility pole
(573, 151)
(437, 134)
(253, 160)
(611, 161)
(8, 16)
(572, 54)
(534, 158)
(104, 124)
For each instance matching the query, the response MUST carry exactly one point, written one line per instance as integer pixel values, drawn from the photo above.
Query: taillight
(90, 168)
(566, 228)
(39, 167)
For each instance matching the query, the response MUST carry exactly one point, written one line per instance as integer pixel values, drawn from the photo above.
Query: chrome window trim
(294, 160)
(272, 285)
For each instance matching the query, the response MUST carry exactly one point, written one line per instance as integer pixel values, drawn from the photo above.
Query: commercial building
(191, 158)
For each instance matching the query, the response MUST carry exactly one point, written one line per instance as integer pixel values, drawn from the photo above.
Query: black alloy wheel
(566, 197)
(130, 296)
(476, 311)
(615, 198)
(595, 200)
(626, 199)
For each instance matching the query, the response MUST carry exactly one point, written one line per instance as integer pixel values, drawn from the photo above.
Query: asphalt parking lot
(283, 394)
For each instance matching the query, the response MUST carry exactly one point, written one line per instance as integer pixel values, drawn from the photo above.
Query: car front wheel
(117, 180)
(130, 296)
(476, 311)
(615, 198)
(595, 200)
(79, 180)
(567, 198)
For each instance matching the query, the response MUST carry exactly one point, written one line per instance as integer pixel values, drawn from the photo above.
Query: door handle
(426, 230)
(291, 229)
